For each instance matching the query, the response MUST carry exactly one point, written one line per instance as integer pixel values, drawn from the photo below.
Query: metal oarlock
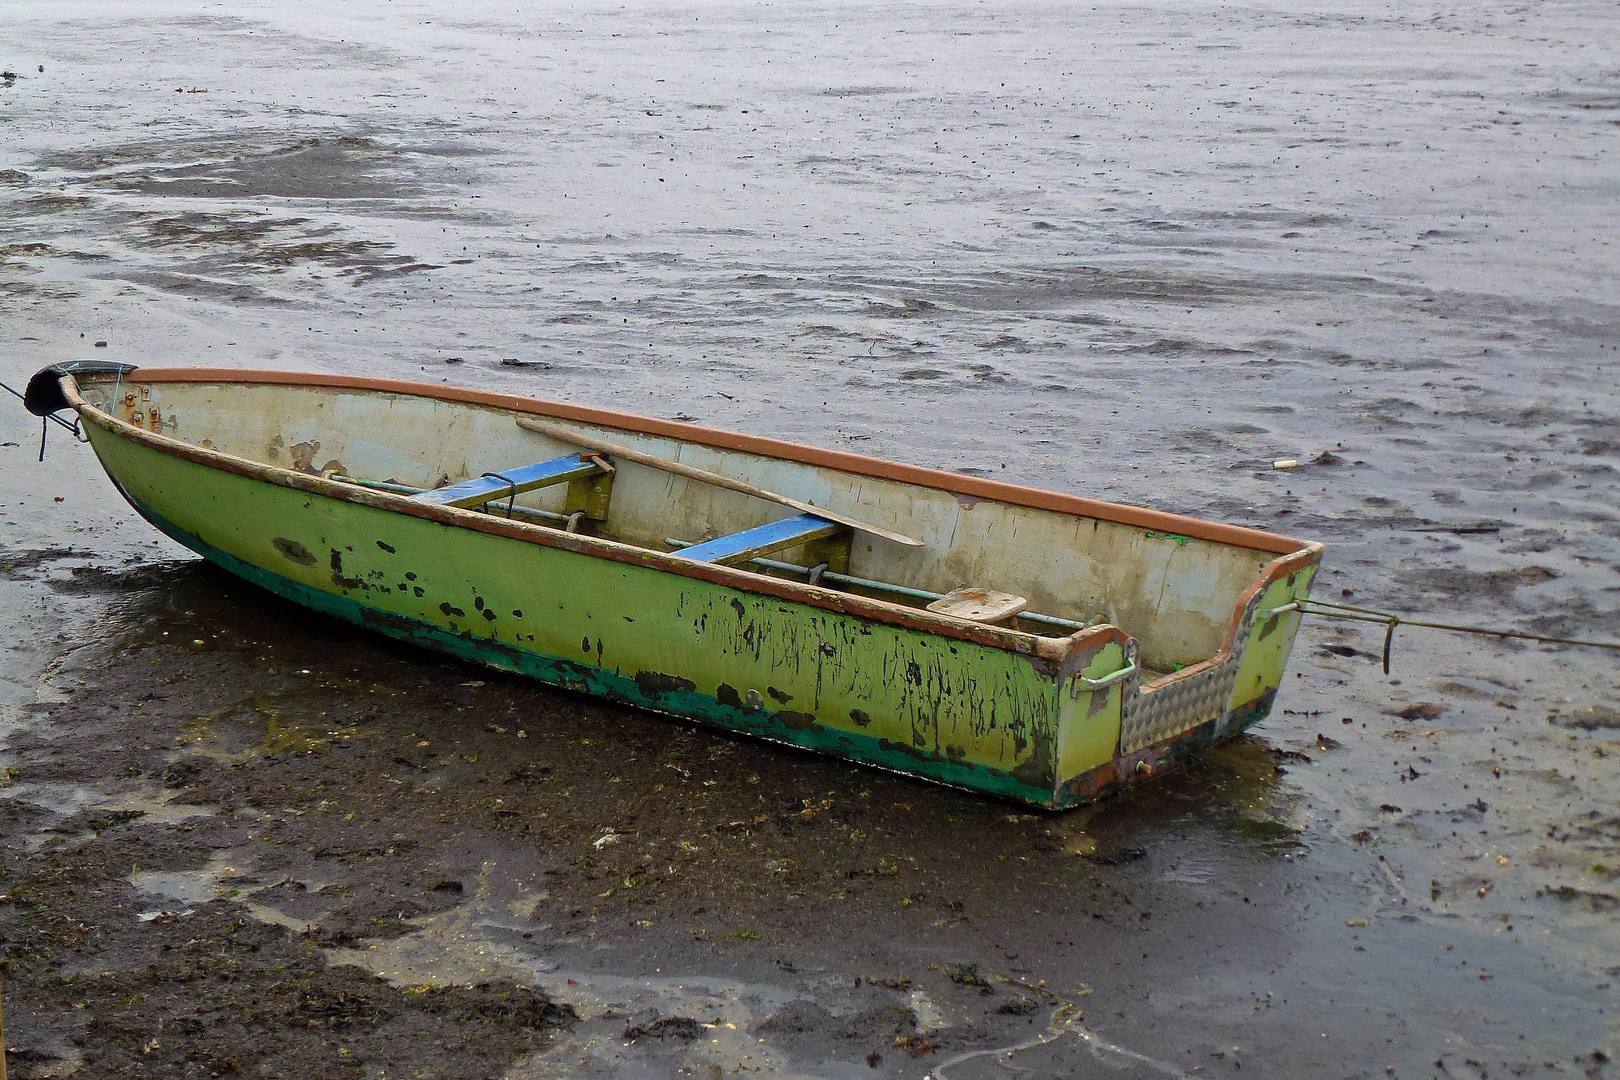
(511, 498)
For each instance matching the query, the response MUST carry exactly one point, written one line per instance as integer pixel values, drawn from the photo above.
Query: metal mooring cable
(1329, 610)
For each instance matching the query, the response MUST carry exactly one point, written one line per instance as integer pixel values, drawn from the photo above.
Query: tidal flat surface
(1136, 252)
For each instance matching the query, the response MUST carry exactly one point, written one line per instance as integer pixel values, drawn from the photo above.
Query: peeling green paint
(883, 692)
(880, 693)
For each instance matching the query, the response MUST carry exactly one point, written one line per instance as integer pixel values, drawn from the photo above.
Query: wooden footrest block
(979, 605)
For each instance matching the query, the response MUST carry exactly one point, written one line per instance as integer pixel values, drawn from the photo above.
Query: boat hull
(1040, 726)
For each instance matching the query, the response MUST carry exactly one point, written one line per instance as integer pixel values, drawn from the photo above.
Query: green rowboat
(1034, 645)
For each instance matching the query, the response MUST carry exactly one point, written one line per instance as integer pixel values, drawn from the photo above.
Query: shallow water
(1136, 252)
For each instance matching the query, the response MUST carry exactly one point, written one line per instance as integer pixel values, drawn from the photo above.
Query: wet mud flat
(374, 862)
(240, 839)
(399, 863)
(1137, 253)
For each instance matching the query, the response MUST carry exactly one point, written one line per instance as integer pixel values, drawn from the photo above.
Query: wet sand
(1136, 253)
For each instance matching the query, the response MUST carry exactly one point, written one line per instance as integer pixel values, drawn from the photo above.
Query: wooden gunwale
(1298, 553)
(955, 483)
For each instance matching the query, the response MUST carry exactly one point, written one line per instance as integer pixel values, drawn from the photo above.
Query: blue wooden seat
(492, 487)
(758, 542)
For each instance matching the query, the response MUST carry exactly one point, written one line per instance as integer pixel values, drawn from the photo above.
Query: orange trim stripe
(1235, 535)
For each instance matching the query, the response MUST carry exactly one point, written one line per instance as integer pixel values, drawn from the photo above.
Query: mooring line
(1098, 1047)
(44, 428)
(1066, 1017)
(1327, 609)
(1064, 1020)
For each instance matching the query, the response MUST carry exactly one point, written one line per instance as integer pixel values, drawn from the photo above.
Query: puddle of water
(11, 718)
(929, 1018)
(187, 887)
(64, 800)
(474, 943)
(159, 913)
(222, 878)
(204, 735)
(459, 949)
(267, 914)
(1070, 831)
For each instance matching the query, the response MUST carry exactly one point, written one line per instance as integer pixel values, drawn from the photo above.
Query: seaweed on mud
(664, 1027)
(210, 991)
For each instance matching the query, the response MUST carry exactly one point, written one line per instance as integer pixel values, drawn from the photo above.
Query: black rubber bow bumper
(44, 394)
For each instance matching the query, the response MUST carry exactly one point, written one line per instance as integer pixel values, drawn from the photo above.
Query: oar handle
(589, 442)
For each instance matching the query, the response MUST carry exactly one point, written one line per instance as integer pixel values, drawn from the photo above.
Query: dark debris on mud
(215, 993)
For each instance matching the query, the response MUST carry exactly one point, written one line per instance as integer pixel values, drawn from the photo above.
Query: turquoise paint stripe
(571, 675)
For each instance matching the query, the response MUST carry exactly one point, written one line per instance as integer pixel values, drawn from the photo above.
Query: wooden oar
(574, 438)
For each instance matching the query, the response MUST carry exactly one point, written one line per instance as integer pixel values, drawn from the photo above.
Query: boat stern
(1158, 724)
